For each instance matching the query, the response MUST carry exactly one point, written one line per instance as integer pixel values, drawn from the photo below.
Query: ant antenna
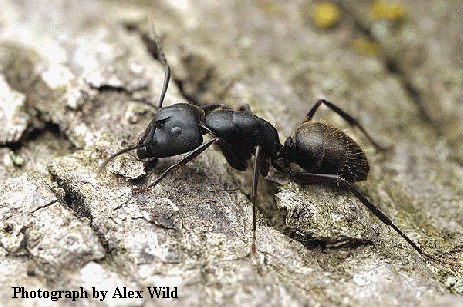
(163, 60)
(161, 57)
(120, 152)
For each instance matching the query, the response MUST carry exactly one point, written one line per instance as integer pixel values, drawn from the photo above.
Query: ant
(325, 153)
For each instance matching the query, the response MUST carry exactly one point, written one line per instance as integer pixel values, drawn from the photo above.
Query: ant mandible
(325, 153)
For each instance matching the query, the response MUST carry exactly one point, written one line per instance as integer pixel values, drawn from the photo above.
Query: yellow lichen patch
(387, 10)
(366, 47)
(326, 15)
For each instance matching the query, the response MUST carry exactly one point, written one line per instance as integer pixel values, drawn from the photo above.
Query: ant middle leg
(349, 119)
(257, 170)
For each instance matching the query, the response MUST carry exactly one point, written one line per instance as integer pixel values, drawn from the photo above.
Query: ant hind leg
(349, 119)
(310, 178)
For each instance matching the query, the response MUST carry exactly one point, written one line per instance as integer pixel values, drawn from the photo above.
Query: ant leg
(310, 178)
(352, 121)
(187, 158)
(255, 180)
(163, 60)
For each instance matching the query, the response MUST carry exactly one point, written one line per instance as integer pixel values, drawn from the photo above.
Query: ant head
(174, 130)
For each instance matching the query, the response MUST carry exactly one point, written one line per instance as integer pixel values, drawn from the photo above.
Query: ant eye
(176, 131)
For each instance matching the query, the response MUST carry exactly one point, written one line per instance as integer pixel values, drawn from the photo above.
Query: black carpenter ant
(325, 153)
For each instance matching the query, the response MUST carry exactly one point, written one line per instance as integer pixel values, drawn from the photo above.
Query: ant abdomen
(323, 149)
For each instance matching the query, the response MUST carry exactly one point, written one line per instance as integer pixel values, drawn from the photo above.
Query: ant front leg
(349, 119)
(310, 178)
(187, 158)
